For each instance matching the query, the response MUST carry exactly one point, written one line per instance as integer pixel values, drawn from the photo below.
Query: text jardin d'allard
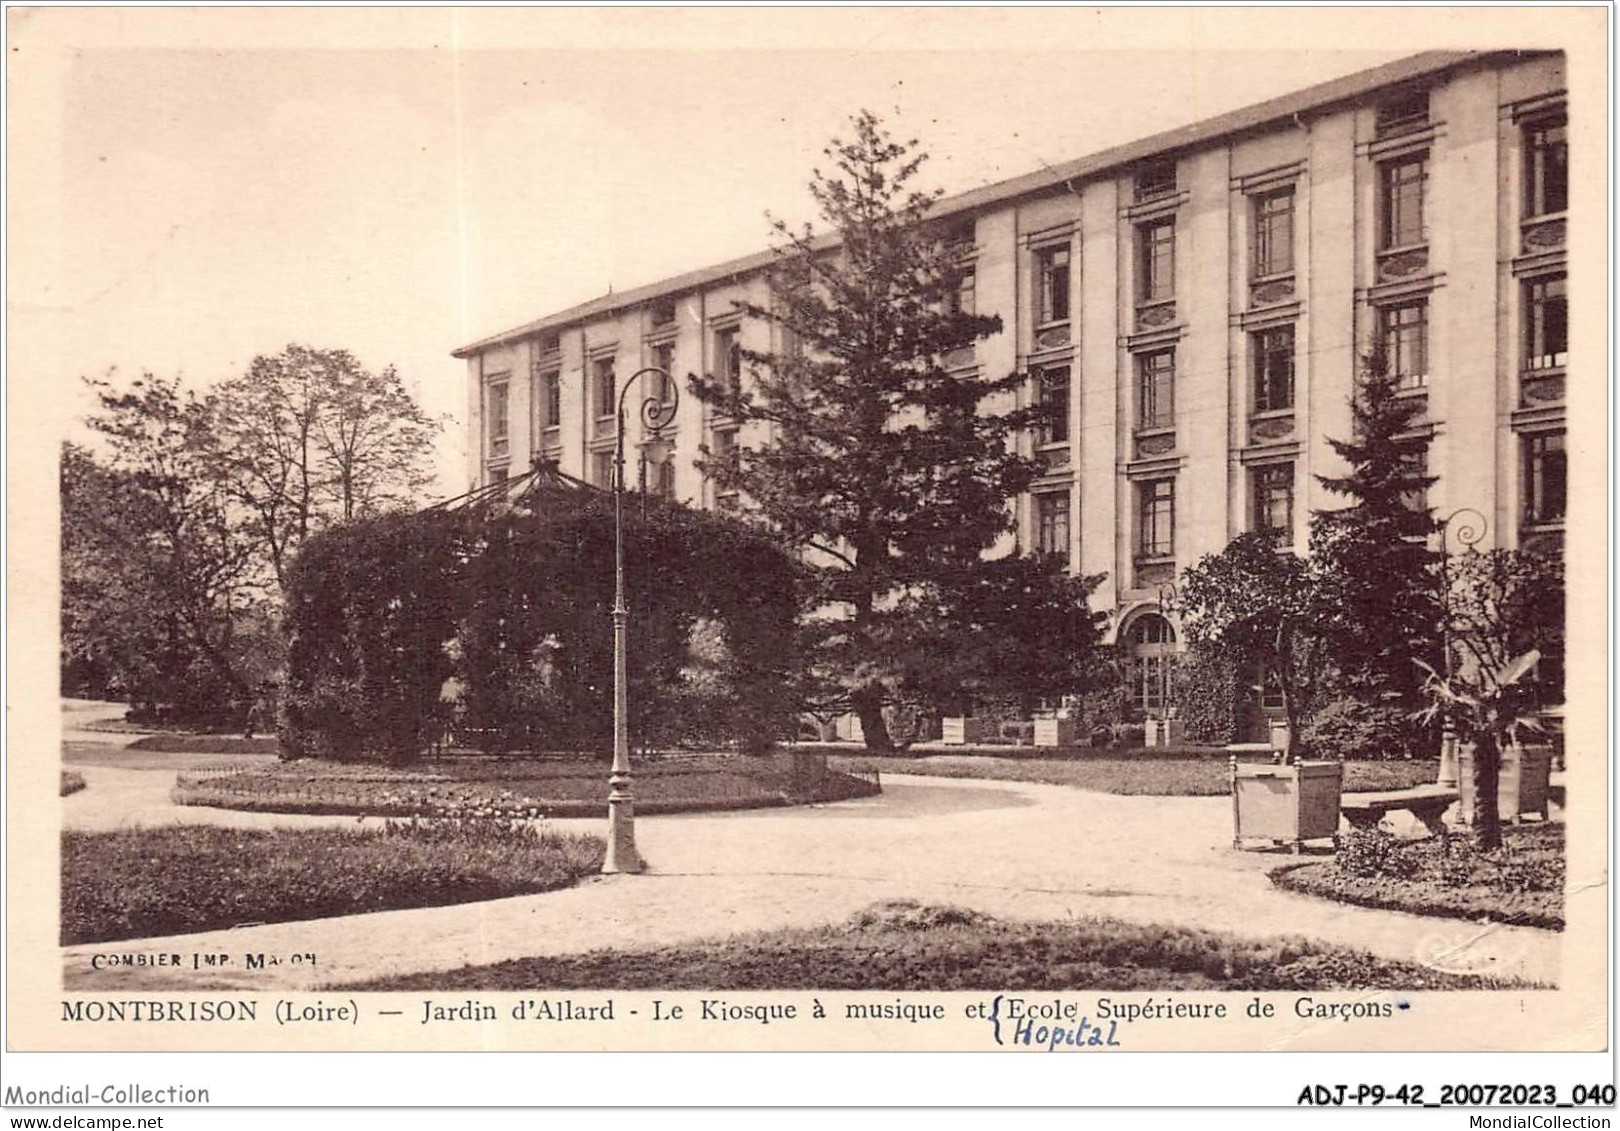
(1034, 1022)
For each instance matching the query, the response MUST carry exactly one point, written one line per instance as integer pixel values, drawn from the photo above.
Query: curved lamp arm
(655, 412)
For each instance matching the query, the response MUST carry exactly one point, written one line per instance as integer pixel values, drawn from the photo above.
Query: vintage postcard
(880, 530)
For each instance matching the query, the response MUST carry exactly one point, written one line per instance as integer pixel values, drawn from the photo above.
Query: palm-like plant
(1487, 708)
(1504, 612)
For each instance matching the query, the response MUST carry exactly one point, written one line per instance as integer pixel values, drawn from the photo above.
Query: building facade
(1195, 304)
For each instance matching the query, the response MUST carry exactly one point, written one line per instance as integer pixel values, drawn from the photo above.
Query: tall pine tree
(1374, 554)
(889, 471)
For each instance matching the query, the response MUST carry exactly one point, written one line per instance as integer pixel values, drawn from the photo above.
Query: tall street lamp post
(657, 410)
(1467, 533)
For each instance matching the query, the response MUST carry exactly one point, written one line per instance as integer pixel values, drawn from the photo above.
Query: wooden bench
(1428, 803)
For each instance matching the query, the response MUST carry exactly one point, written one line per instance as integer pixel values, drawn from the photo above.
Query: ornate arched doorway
(1152, 652)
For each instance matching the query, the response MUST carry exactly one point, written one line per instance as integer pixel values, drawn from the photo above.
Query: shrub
(1351, 729)
(1370, 853)
(909, 915)
(1207, 695)
(1127, 734)
(72, 782)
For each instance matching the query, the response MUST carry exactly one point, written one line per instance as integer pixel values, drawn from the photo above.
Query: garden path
(1011, 849)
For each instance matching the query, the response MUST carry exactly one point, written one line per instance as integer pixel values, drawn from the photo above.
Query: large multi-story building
(1195, 303)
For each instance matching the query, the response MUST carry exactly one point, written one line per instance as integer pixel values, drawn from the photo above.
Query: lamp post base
(622, 856)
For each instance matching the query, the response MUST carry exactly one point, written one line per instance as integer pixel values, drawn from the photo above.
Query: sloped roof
(1312, 99)
(520, 491)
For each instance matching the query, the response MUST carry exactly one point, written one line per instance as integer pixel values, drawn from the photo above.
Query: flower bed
(904, 946)
(1521, 883)
(139, 883)
(524, 788)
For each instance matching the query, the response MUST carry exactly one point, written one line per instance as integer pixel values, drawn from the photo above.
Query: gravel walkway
(1011, 849)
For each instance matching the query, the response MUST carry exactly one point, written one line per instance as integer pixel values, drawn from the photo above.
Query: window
(1546, 167)
(962, 298)
(497, 419)
(1408, 112)
(663, 385)
(1052, 525)
(1052, 388)
(663, 312)
(602, 469)
(1401, 201)
(1155, 180)
(548, 398)
(960, 236)
(1272, 487)
(1274, 234)
(1053, 285)
(1152, 664)
(1157, 250)
(723, 452)
(1273, 353)
(1156, 389)
(1546, 324)
(1156, 518)
(1545, 477)
(606, 382)
(1404, 332)
(1417, 465)
(728, 357)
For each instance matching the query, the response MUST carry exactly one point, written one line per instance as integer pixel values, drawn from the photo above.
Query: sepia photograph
(651, 529)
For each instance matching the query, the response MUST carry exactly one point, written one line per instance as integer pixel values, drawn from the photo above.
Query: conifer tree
(1374, 555)
(890, 472)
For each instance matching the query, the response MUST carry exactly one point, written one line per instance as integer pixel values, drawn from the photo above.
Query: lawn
(905, 946)
(1522, 882)
(208, 744)
(526, 787)
(124, 758)
(1144, 773)
(140, 883)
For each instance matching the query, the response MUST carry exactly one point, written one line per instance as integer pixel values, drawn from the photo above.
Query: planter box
(961, 732)
(1285, 804)
(1522, 788)
(1054, 732)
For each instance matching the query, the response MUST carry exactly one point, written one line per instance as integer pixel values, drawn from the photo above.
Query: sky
(209, 185)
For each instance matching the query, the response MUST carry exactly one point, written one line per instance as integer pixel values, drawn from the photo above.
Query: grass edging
(206, 744)
(905, 946)
(146, 882)
(1143, 776)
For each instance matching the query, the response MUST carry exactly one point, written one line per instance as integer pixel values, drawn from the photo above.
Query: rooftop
(1311, 100)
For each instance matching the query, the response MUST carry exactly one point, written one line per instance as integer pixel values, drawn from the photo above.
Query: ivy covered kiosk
(505, 596)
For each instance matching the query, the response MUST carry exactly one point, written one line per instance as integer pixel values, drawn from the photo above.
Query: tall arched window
(1153, 652)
